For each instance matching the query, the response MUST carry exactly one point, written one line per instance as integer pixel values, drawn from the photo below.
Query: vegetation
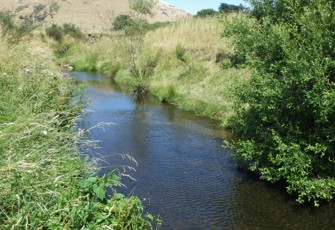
(182, 63)
(11, 31)
(121, 21)
(230, 8)
(206, 13)
(132, 43)
(156, 25)
(73, 31)
(45, 183)
(57, 33)
(284, 114)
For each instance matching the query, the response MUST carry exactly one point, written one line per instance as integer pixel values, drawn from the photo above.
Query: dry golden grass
(193, 34)
(201, 80)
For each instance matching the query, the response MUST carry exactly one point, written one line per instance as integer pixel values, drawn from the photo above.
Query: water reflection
(184, 174)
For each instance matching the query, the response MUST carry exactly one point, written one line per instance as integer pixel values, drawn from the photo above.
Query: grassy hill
(90, 15)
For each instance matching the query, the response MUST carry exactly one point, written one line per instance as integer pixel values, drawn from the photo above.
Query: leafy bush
(206, 12)
(121, 21)
(227, 8)
(143, 7)
(285, 114)
(73, 31)
(55, 32)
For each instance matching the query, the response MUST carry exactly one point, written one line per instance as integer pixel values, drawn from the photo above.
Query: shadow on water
(183, 173)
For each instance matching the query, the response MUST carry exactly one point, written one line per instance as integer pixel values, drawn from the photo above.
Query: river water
(183, 173)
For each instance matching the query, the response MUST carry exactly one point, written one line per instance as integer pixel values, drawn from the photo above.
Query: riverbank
(186, 63)
(44, 180)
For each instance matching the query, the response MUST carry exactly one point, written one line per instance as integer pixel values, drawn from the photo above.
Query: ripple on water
(183, 173)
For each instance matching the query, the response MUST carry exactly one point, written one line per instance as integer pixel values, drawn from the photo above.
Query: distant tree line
(227, 8)
(223, 8)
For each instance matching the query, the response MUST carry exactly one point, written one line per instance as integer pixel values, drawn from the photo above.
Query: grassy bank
(197, 81)
(45, 183)
(187, 61)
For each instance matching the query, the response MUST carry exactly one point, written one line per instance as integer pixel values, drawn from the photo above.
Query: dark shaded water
(183, 173)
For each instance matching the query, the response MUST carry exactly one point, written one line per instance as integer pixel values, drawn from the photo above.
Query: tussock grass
(194, 34)
(201, 84)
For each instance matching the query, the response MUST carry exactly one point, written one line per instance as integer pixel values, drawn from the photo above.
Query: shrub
(285, 114)
(206, 13)
(73, 31)
(227, 8)
(121, 21)
(55, 32)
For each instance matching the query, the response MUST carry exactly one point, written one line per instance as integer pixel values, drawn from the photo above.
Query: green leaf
(150, 217)
(100, 192)
(118, 195)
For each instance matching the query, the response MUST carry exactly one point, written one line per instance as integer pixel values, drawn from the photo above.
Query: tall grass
(201, 84)
(190, 67)
(45, 183)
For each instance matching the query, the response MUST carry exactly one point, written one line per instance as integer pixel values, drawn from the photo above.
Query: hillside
(89, 15)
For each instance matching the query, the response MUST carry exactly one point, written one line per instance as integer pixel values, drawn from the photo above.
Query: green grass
(45, 183)
(185, 63)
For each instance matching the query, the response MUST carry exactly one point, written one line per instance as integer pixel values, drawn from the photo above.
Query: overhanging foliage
(285, 115)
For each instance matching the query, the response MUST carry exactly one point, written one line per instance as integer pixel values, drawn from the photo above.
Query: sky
(193, 6)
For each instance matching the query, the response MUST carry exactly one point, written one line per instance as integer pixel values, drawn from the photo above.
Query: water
(183, 174)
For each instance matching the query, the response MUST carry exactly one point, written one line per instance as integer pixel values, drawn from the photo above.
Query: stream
(183, 173)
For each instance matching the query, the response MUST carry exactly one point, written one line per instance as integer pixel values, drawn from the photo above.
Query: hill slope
(89, 15)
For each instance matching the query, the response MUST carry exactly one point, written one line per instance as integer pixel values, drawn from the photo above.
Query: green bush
(285, 114)
(55, 32)
(227, 8)
(206, 13)
(121, 21)
(73, 31)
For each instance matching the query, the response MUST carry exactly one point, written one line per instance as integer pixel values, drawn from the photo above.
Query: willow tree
(285, 114)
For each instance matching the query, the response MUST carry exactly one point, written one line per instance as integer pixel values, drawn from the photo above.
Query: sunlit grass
(201, 84)
(45, 182)
(200, 81)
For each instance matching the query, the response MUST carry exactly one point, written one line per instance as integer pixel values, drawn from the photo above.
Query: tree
(227, 8)
(206, 12)
(140, 64)
(285, 114)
